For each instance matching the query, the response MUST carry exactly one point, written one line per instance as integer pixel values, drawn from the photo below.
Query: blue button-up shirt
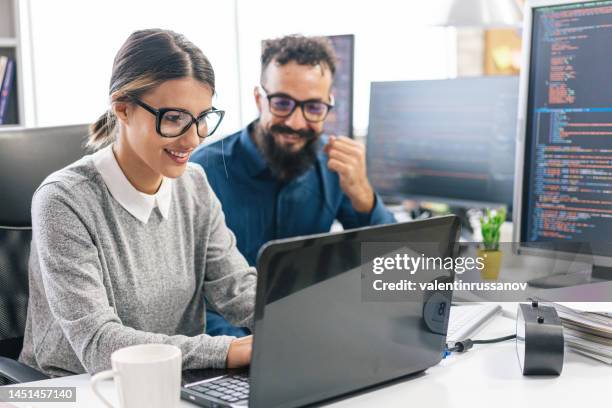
(259, 208)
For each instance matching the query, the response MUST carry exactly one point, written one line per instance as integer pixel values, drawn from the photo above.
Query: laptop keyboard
(231, 388)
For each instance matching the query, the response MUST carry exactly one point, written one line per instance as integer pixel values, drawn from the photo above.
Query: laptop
(316, 337)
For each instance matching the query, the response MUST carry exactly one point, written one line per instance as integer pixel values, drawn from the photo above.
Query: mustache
(303, 133)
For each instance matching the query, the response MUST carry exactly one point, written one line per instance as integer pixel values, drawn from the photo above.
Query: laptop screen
(316, 337)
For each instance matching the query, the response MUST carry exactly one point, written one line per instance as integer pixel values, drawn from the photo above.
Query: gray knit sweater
(101, 280)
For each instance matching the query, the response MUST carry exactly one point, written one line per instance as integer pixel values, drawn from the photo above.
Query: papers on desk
(588, 345)
(588, 333)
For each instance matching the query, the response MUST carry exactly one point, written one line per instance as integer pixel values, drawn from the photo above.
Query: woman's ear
(120, 108)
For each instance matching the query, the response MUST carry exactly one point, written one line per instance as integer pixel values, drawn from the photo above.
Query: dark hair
(302, 50)
(145, 60)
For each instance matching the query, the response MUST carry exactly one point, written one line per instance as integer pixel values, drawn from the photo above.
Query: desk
(487, 376)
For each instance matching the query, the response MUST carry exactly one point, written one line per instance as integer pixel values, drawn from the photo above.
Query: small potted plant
(490, 226)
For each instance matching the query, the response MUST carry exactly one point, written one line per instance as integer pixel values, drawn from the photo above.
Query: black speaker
(539, 340)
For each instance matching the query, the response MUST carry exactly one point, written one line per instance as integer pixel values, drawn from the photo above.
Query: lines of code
(444, 140)
(570, 125)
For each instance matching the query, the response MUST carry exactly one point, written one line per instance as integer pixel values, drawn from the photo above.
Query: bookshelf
(10, 46)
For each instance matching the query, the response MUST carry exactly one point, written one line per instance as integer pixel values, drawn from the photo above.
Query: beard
(284, 164)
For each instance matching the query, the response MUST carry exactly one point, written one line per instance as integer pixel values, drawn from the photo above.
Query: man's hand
(347, 158)
(239, 353)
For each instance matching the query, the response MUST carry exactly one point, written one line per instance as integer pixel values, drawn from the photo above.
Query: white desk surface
(486, 376)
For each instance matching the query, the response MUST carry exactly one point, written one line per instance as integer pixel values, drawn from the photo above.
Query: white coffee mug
(146, 375)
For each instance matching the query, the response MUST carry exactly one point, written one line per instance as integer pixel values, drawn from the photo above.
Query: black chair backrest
(14, 255)
(27, 157)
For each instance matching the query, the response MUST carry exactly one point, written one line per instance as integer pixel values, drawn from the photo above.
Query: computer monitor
(27, 157)
(563, 201)
(340, 119)
(448, 141)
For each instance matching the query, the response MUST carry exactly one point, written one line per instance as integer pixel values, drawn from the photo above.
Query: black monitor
(448, 141)
(27, 157)
(340, 119)
(564, 173)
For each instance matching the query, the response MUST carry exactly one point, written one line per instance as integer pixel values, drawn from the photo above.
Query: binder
(6, 88)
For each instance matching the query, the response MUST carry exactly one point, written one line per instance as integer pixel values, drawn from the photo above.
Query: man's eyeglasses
(282, 106)
(173, 122)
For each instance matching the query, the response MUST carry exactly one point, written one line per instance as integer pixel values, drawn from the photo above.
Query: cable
(496, 340)
(464, 345)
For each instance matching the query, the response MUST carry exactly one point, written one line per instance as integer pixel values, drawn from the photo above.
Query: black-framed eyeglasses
(173, 122)
(282, 106)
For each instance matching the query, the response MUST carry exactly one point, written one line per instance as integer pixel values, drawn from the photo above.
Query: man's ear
(258, 98)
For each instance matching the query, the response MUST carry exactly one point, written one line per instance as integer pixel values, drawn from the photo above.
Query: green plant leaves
(490, 226)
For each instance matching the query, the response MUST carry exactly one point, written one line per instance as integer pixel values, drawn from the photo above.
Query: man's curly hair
(303, 50)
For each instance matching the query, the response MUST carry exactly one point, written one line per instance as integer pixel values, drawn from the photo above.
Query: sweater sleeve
(71, 274)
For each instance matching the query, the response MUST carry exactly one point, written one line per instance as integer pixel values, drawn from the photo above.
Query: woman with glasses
(130, 241)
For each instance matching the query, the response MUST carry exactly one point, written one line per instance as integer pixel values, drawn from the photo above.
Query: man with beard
(280, 177)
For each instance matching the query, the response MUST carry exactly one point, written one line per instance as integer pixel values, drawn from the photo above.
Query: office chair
(14, 255)
(27, 157)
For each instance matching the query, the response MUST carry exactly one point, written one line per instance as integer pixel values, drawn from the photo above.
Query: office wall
(74, 43)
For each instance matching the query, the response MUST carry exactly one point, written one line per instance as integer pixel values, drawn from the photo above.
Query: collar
(253, 159)
(139, 204)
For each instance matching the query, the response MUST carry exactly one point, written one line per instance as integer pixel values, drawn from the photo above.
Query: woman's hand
(239, 353)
